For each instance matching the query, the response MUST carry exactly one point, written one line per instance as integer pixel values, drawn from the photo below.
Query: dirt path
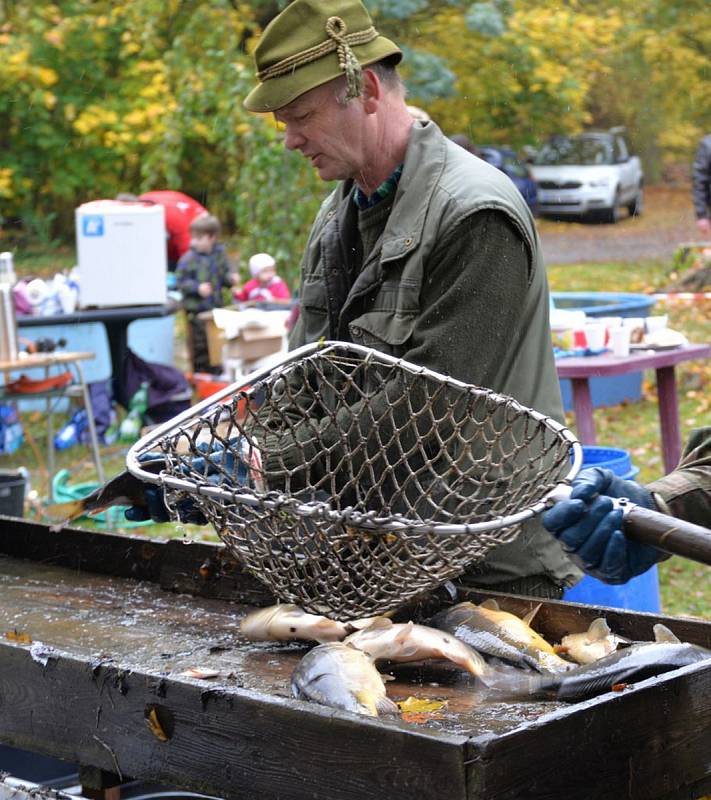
(668, 221)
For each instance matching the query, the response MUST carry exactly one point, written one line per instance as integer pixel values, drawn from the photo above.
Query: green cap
(310, 43)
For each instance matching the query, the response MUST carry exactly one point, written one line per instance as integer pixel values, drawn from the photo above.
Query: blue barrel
(638, 594)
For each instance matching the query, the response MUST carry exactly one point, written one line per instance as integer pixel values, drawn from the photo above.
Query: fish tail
(66, 511)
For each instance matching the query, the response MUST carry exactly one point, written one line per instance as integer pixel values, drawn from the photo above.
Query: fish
(613, 672)
(404, 642)
(500, 635)
(124, 489)
(340, 676)
(593, 644)
(285, 622)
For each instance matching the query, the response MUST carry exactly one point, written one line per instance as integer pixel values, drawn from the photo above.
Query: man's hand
(590, 529)
(205, 289)
(704, 226)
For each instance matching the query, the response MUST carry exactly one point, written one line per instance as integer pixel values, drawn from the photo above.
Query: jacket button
(329, 214)
(408, 241)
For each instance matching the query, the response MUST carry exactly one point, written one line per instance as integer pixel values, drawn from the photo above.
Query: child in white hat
(265, 285)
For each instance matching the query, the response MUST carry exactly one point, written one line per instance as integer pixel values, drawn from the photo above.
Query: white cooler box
(121, 254)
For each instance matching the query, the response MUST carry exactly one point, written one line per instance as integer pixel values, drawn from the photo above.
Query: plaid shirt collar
(386, 188)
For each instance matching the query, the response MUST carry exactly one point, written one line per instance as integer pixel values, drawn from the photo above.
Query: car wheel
(636, 206)
(612, 214)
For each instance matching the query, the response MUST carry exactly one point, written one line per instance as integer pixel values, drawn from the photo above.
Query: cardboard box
(248, 335)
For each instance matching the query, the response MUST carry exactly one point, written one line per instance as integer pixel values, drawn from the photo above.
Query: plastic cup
(657, 323)
(595, 335)
(620, 341)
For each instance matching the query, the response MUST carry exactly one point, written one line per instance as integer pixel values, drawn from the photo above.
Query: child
(202, 273)
(266, 285)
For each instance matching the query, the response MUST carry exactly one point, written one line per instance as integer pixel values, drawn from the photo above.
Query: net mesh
(362, 475)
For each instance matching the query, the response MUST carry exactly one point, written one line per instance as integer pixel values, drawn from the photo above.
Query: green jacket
(687, 490)
(455, 283)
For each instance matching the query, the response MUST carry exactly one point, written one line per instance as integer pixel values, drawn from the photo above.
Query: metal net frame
(350, 482)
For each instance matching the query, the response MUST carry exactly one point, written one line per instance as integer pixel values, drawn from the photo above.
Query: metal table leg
(90, 420)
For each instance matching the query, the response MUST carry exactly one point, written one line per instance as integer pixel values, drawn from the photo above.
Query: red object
(253, 290)
(580, 340)
(25, 385)
(206, 384)
(663, 362)
(180, 211)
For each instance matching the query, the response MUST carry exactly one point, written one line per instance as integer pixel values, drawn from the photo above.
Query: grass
(630, 426)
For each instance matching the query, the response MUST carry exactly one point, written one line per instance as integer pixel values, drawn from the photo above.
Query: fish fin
(561, 649)
(405, 632)
(528, 618)
(385, 705)
(360, 624)
(387, 678)
(490, 603)
(598, 630)
(66, 511)
(663, 634)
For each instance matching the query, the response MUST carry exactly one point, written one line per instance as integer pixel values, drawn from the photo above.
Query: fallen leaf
(421, 704)
(17, 636)
(154, 725)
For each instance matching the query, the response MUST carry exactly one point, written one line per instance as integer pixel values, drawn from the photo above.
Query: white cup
(620, 341)
(595, 335)
(658, 323)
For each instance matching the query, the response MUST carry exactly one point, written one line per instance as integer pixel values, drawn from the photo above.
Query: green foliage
(106, 97)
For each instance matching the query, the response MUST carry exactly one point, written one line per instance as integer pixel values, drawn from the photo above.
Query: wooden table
(114, 622)
(580, 370)
(49, 360)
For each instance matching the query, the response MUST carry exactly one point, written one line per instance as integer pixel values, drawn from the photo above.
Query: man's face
(327, 132)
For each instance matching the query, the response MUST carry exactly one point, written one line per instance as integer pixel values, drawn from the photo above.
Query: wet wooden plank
(650, 742)
(228, 742)
(199, 568)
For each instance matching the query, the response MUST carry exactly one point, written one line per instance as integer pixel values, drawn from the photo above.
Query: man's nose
(293, 140)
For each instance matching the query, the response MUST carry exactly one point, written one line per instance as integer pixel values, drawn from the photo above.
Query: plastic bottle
(71, 433)
(130, 428)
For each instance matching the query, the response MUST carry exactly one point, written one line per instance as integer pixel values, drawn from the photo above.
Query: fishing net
(349, 482)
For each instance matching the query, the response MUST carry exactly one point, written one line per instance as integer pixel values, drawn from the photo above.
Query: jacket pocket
(314, 311)
(383, 330)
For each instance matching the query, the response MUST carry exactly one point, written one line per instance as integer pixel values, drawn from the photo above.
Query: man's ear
(372, 92)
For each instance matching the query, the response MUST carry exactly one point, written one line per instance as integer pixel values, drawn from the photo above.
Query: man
(701, 177)
(422, 251)
(593, 532)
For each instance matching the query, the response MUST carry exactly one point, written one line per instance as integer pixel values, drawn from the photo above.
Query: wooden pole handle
(671, 535)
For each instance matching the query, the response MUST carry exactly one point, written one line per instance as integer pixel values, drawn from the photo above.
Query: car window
(585, 150)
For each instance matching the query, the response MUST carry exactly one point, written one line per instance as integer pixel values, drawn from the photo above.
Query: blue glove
(590, 529)
(218, 465)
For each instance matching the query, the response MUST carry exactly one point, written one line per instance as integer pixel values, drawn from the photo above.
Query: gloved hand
(218, 465)
(590, 529)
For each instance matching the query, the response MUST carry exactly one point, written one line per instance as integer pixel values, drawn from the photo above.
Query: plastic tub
(12, 493)
(605, 304)
(638, 594)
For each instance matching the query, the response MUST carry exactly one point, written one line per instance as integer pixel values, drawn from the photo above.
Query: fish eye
(292, 629)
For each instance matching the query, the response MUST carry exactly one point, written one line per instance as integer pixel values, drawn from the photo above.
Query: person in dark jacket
(701, 179)
(203, 272)
(422, 251)
(592, 531)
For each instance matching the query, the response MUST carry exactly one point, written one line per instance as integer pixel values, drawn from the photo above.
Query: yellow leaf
(154, 725)
(18, 637)
(421, 704)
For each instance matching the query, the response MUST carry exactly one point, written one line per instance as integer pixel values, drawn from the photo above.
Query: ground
(668, 221)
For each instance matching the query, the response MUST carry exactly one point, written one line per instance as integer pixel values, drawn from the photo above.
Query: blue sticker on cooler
(92, 225)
